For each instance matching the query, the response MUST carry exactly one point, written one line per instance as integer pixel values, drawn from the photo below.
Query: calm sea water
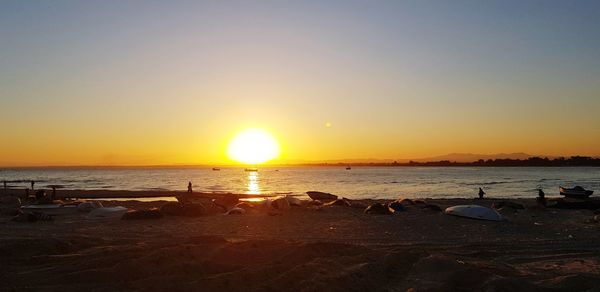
(360, 182)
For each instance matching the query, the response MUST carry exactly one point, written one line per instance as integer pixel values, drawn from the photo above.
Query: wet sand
(306, 249)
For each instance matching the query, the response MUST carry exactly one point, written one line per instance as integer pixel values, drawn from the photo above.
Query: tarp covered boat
(576, 192)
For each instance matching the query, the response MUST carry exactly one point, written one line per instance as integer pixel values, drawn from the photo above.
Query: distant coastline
(573, 161)
(529, 162)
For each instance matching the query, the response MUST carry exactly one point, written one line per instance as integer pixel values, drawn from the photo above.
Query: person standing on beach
(4, 182)
(541, 199)
(189, 187)
(32, 183)
(481, 193)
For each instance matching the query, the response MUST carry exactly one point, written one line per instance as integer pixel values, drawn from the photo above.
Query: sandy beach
(331, 248)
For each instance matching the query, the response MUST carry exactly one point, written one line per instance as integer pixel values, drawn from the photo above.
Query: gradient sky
(163, 82)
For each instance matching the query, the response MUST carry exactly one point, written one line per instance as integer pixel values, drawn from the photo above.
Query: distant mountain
(343, 161)
(470, 157)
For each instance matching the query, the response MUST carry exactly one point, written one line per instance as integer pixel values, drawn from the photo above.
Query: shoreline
(103, 194)
(123, 194)
(307, 248)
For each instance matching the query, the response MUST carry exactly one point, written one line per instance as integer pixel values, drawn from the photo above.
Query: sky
(171, 82)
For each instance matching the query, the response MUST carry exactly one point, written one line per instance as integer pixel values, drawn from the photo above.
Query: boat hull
(51, 209)
(574, 193)
(321, 196)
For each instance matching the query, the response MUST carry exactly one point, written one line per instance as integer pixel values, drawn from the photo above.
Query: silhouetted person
(541, 199)
(32, 183)
(53, 193)
(189, 187)
(4, 185)
(481, 193)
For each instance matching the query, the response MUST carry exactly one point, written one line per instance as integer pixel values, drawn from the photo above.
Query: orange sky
(112, 83)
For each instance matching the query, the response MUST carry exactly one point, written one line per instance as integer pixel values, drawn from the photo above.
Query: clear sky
(163, 82)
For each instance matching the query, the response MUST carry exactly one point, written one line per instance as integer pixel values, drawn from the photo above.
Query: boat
(251, 169)
(474, 212)
(216, 169)
(348, 168)
(321, 196)
(107, 212)
(576, 192)
(50, 209)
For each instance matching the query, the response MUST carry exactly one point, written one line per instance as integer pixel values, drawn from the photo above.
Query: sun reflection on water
(253, 186)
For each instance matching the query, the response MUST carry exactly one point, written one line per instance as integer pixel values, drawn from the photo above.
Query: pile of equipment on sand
(43, 208)
(376, 208)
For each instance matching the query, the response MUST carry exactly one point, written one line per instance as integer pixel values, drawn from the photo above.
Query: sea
(356, 183)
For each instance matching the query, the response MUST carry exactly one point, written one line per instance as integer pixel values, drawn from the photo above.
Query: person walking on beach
(481, 193)
(190, 187)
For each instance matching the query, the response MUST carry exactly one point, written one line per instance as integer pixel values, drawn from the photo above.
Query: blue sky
(394, 78)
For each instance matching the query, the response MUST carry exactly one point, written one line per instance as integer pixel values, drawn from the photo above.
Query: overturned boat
(321, 196)
(474, 212)
(577, 192)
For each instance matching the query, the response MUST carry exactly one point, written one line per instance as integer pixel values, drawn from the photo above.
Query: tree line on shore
(532, 161)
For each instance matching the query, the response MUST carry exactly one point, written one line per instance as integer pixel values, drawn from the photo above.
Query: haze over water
(360, 182)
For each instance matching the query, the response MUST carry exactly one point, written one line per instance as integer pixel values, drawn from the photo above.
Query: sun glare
(253, 146)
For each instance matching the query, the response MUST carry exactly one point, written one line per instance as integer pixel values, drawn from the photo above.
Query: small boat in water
(216, 169)
(576, 192)
(348, 168)
(252, 169)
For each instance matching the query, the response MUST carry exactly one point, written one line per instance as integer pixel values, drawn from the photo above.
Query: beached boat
(321, 196)
(50, 209)
(576, 192)
(474, 212)
(107, 212)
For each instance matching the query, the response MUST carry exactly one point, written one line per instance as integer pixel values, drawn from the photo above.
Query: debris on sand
(397, 206)
(379, 209)
(339, 202)
(281, 204)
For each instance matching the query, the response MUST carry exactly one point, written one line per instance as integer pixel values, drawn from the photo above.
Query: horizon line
(366, 162)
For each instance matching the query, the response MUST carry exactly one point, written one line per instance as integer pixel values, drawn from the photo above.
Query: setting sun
(253, 146)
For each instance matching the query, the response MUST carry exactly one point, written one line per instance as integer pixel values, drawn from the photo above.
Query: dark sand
(304, 249)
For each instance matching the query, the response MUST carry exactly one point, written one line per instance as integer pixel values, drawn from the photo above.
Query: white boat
(474, 211)
(107, 212)
(51, 209)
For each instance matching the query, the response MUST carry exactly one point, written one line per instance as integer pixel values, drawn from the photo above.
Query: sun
(253, 146)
